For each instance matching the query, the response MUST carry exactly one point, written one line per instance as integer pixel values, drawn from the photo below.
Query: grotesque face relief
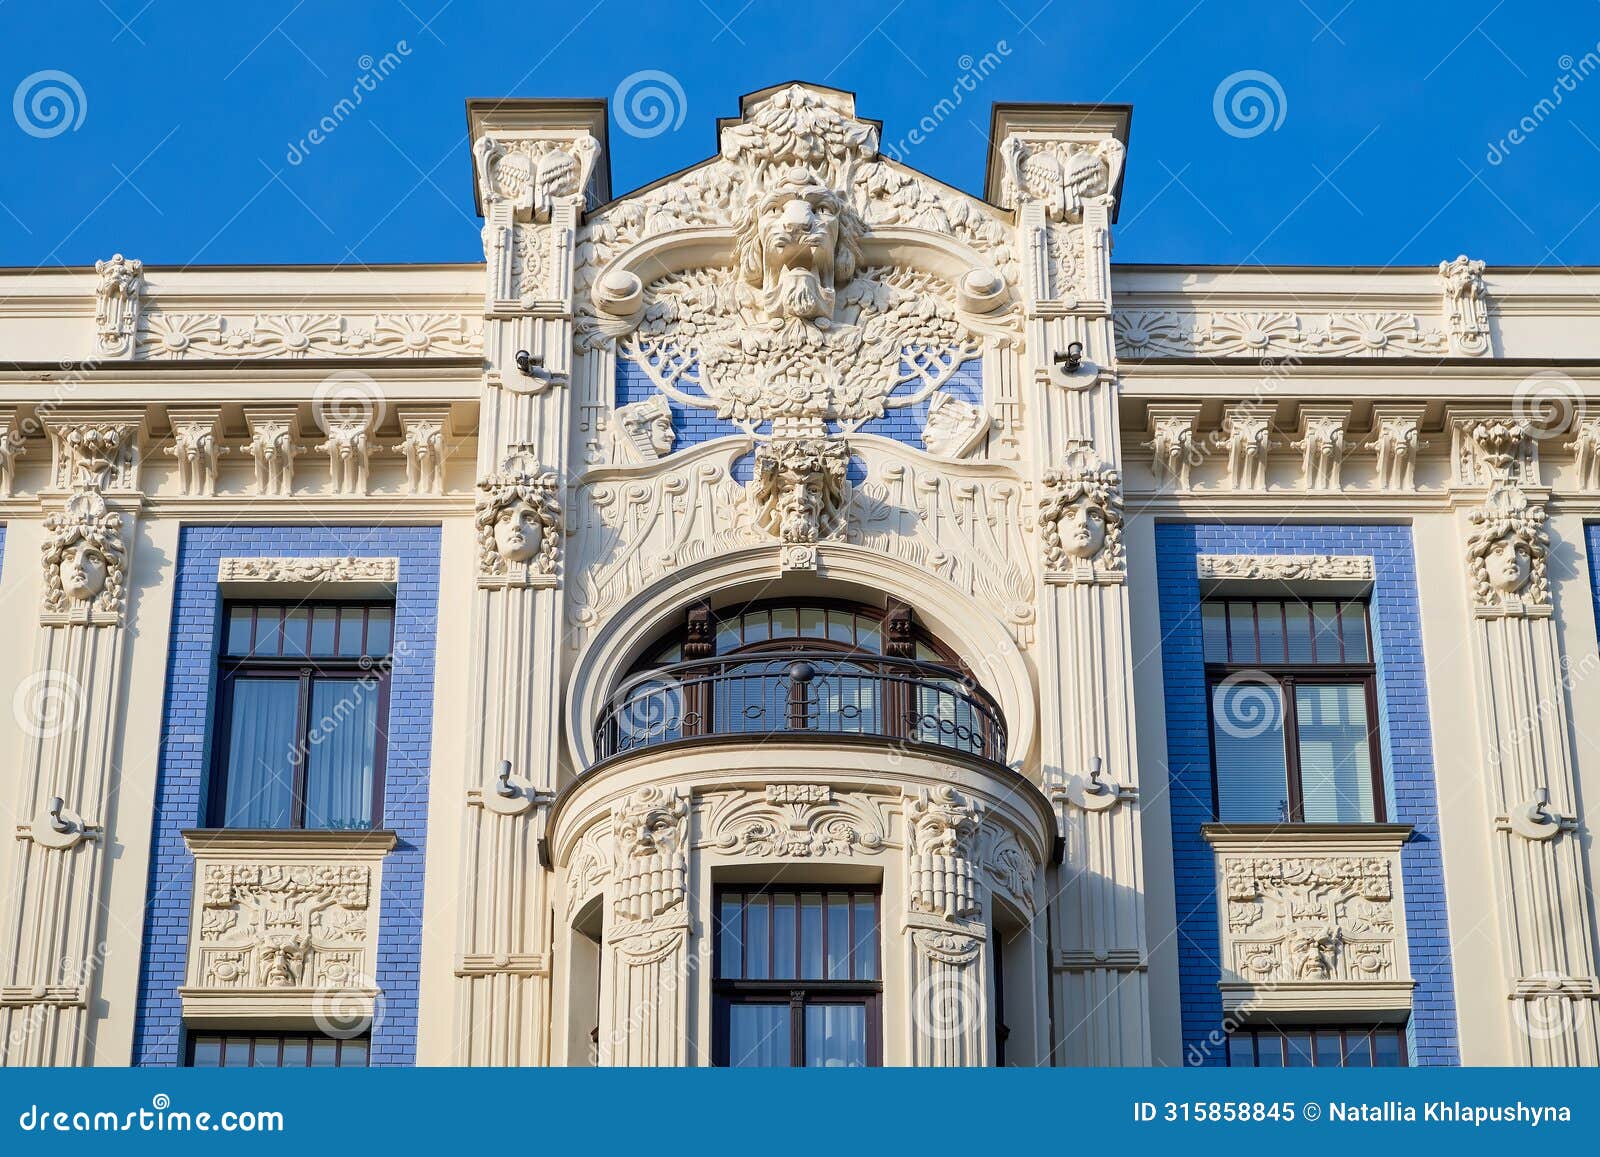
(517, 534)
(661, 434)
(83, 571)
(280, 961)
(1508, 563)
(796, 248)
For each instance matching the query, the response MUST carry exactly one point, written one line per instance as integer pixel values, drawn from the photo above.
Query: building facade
(799, 613)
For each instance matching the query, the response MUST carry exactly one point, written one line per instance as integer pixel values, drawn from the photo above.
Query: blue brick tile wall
(1407, 757)
(694, 425)
(185, 760)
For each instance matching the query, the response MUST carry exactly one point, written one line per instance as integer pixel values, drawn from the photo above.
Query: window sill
(371, 841)
(1236, 837)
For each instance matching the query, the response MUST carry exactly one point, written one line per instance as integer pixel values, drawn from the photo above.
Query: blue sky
(1388, 137)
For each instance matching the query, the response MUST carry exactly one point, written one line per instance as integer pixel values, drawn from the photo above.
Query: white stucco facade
(801, 374)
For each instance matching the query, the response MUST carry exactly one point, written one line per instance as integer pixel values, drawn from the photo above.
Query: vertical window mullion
(298, 806)
(1291, 749)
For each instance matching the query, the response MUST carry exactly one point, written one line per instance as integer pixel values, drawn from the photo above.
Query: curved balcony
(803, 693)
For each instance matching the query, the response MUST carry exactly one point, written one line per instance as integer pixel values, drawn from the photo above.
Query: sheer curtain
(339, 771)
(261, 753)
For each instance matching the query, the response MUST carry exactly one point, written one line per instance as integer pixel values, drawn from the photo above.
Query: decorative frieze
(1080, 519)
(1285, 568)
(305, 571)
(1258, 334)
(1311, 917)
(284, 925)
(164, 335)
(796, 821)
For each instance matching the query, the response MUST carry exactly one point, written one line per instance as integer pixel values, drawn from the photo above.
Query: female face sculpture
(1083, 528)
(517, 534)
(83, 571)
(1508, 563)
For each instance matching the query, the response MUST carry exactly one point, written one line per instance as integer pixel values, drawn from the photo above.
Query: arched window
(801, 668)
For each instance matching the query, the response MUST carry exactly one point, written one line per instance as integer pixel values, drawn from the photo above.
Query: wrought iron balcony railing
(803, 693)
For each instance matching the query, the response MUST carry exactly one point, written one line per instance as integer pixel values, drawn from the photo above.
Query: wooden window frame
(279, 1038)
(1286, 676)
(305, 670)
(1278, 1035)
(800, 994)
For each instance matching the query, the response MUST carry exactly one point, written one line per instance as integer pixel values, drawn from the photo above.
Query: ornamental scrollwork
(284, 926)
(1310, 918)
(796, 821)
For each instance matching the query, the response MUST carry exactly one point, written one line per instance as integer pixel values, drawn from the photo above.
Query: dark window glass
(275, 1050)
(797, 978)
(1294, 732)
(1383, 1046)
(304, 702)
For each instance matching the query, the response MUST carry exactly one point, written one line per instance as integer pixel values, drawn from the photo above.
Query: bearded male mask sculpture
(797, 245)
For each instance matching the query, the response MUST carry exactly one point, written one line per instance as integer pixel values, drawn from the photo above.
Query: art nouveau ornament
(1080, 519)
(1492, 449)
(84, 560)
(425, 448)
(799, 494)
(519, 524)
(11, 448)
(1506, 554)
(348, 446)
(652, 860)
(941, 838)
(116, 303)
(1249, 438)
(532, 176)
(197, 445)
(1172, 449)
(94, 454)
(1466, 304)
(1060, 175)
(646, 429)
(1396, 444)
(954, 427)
(273, 447)
(1321, 446)
(1585, 447)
